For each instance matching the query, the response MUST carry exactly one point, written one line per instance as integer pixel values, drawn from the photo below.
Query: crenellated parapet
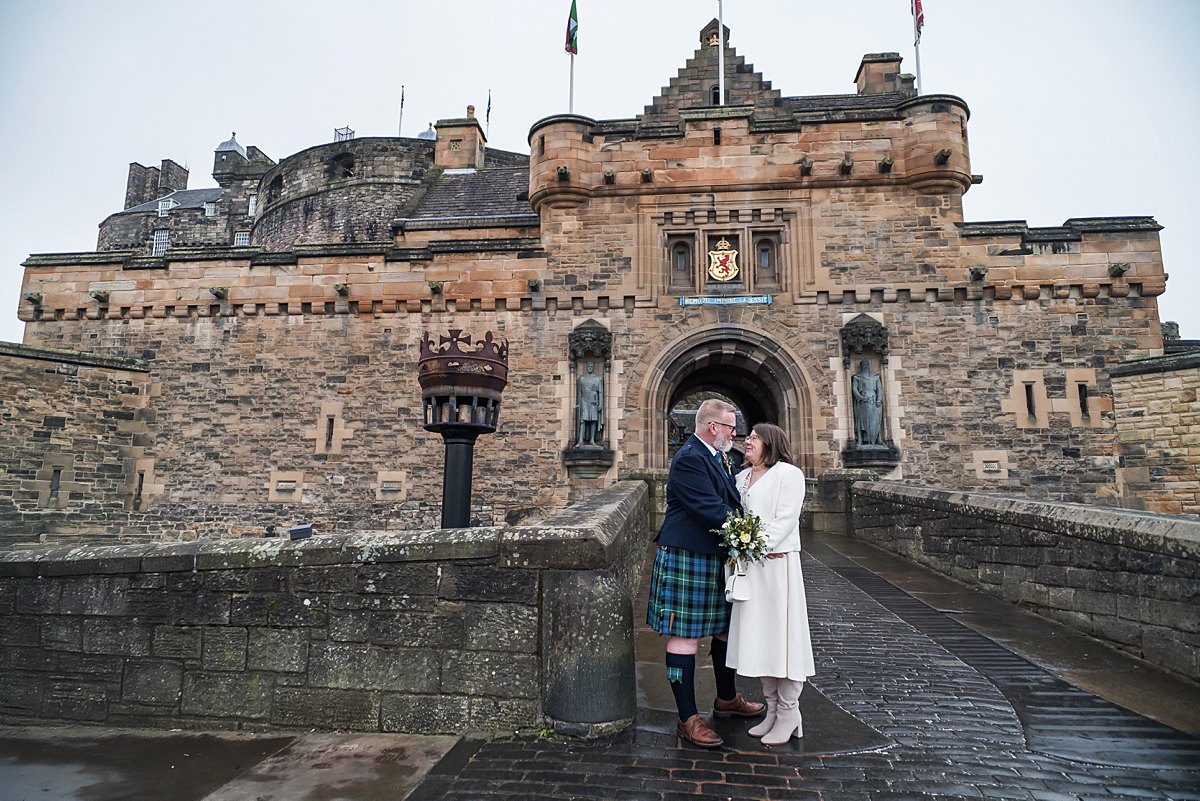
(922, 145)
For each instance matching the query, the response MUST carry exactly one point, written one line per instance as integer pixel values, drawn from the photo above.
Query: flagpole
(571, 96)
(917, 46)
(720, 52)
(400, 124)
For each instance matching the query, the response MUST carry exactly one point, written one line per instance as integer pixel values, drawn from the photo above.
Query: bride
(768, 635)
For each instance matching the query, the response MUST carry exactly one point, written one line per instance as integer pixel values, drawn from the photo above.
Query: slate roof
(490, 192)
(186, 198)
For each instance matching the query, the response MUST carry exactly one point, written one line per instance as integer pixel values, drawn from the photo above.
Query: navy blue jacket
(700, 495)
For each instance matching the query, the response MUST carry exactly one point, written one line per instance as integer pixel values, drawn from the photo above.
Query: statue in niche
(867, 389)
(589, 404)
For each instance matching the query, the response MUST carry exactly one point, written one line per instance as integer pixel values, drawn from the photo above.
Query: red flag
(918, 21)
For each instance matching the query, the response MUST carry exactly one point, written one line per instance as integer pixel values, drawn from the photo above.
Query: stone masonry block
(445, 627)
(122, 637)
(250, 610)
(340, 578)
(224, 648)
(417, 578)
(490, 673)
(156, 683)
(495, 713)
(425, 714)
(75, 700)
(20, 693)
(227, 695)
(354, 665)
(88, 667)
(199, 609)
(323, 708)
(58, 633)
(298, 610)
(176, 642)
(485, 583)
(278, 651)
(502, 627)
(349, 625)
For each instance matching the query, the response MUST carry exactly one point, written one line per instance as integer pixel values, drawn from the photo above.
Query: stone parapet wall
(1129, 578)
(1157, 404)
(414, 631)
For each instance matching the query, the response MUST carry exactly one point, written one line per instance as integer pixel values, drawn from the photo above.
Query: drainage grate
(1058, 718)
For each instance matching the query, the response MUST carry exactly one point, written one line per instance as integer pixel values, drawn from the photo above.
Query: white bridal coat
(768, 635)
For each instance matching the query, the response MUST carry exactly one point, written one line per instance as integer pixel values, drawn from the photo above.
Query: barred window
(241, 239)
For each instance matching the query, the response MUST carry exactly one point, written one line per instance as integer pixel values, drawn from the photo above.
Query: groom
(687, 596)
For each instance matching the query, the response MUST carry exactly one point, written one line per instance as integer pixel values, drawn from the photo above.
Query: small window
(341, 166)
(165, 206)
(275, 189)
(161, 239)
(1083, 399)
(241, 239)
(715, 95)
(252, 209)
(1029, 407)
(210, 209)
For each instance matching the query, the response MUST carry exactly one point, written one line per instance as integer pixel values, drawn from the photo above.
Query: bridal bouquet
(743, 537)
(745, 541)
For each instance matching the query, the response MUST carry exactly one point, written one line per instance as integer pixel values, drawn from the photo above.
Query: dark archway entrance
(753, 371)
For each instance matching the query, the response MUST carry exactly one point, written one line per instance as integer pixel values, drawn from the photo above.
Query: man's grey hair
(710, 410)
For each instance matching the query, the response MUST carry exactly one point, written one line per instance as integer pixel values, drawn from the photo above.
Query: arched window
(715, 95)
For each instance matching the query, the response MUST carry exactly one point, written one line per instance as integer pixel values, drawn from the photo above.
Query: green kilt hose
(687, 594)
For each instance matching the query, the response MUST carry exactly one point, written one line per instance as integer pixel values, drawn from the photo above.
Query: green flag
(573, 31)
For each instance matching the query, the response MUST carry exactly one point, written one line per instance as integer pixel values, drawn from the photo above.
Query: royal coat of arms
(722, 262)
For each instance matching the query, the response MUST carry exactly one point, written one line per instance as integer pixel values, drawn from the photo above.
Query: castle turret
(460, 143)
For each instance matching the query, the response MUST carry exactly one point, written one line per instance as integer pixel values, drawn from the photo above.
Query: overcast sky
(1079, 108)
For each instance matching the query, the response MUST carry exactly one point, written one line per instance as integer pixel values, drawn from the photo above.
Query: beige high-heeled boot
(787, 713)
(770, 695)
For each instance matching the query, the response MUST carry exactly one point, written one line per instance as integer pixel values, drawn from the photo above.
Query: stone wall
(188, 228)
(1158, 430)
(74, 443)
(415, 631)
(347, 191)
(1129, 578)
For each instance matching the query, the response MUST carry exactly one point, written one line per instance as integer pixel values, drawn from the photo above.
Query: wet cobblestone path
(909, 704)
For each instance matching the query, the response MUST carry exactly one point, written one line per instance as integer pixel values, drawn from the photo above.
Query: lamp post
(460, 386)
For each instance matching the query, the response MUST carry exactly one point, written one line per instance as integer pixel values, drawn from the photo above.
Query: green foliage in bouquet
(743, 537)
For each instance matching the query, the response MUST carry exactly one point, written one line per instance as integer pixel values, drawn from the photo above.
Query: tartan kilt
(687, 594)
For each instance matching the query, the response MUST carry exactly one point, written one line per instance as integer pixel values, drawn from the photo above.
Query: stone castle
(231, 361)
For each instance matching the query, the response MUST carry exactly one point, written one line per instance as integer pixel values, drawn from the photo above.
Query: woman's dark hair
(775, 446)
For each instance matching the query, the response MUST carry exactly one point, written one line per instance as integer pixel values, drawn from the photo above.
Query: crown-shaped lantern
(461, 382)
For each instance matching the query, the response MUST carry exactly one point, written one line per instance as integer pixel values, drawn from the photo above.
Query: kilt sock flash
(681, 673)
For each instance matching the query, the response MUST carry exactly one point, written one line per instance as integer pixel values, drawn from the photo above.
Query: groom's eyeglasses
(732, 429)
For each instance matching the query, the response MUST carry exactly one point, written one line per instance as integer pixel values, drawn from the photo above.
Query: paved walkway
(911, 701)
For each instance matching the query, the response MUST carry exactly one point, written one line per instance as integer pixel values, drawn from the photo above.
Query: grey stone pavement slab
(925, 690)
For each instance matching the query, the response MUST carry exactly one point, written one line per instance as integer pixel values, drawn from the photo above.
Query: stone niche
(865, 358)
(588, 453)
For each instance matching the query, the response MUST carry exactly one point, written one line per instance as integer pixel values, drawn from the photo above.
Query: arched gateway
(757, 373)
